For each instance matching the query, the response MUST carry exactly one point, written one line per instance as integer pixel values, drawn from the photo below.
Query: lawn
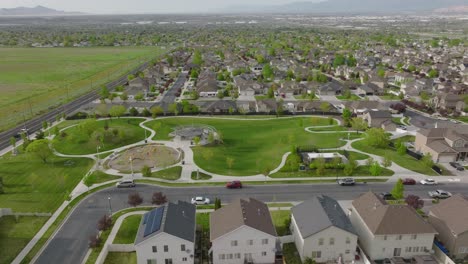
(33, 186)
(360, 171)
(121, 258)
(33, 79)
(170, 174)
(352, 98)
(78, 142)
(279, 220)
(128, 230)
(405, 161)
(15, 235)
(203, 220)
(200, 176)
(290, 254)
(251, 145)
(99, 177)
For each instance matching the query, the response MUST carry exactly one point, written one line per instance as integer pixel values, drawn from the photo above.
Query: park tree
(158, 198)
(104, 223)
(347, 114)
(13, 142)
(197, 58)
(146, 171)
(280, 108)
(398, 190)
(350, 167)
(45, 125)
(387, 161)
(401, 148)
(133, 111)
(325, 107)
(427, 160)
(101, 109)
(174, 108)
(156, 111)
(271, 92)
(320, 166)
(339, 60)
(117, 111)
(375, 169)
(135, 199)
(40, 148)
(267, 72)
(146, 112)
(358, 124)
(377, 137)
(25, 139)
(124, 96)
(433, 73)
(217, 203)
(56, 131)
(104, 93)
(196, 140)
(414, 201)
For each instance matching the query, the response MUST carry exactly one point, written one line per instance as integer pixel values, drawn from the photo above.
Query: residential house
(248, 87)
(369, 89)
(387, 231)
(219, 106)
(362, 107)
(167, 235)
(243, 232)
(322, 231)
(330, 88)
(450, 218)
(207, 85)
(380, 119)
(312, 106)
(449, 101)
(267, 105)
(444, 144)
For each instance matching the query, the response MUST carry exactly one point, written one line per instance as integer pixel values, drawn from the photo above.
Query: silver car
(125, 184)
(200, 200)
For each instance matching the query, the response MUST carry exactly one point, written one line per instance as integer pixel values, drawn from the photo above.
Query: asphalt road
(71, 242)
(35, 124)
(170, 96)
(422, 121)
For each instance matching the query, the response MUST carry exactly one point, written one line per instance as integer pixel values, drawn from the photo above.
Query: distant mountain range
(355, 6)
(34, 11)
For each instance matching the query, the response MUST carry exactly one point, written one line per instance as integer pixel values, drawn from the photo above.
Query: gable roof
(319, 213)
(380, 114)
(174, 219)
(454, 212)
(384, 219)
(250, 212)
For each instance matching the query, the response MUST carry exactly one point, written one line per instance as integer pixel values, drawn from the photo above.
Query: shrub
(94, 241)
(104, 223)
(134, 199)
(159, 198)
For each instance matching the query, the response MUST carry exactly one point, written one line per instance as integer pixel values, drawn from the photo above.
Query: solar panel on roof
(153, 221)
(145, 218)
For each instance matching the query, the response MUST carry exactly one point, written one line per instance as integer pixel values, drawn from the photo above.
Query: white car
(200, 200)
(428, 182)
(440, 194)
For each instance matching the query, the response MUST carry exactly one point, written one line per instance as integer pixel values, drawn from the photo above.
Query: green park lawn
(405, 161)
(99, 177)
(121, 258)
(253, 145)
(59, 74)
(128, 230)
(200, 176)
(33, 186)
(170, 174)
(360, 171)
(14, 235)
(77, 141)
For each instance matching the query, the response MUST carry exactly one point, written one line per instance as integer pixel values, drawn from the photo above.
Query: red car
(234, 185)
(409, 181)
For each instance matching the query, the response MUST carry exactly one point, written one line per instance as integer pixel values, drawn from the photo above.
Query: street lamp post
(110, 206)
(131, 165)
(97, 153)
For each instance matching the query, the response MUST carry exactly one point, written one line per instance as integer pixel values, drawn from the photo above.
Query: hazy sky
(138, 6)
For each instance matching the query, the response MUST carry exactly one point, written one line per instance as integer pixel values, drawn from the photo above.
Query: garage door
(447, 158)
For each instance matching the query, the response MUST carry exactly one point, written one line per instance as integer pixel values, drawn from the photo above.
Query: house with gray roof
(167, 235)
(445, 144)
(242, 232)
(322, 231)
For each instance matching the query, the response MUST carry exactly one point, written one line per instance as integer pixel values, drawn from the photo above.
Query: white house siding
(145, 252)
(380, 246)
(328, 252)
(242, 235)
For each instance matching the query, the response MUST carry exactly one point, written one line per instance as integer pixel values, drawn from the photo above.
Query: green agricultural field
(128, 230)
(77, 141)
(254, 145)
(33, 186)
(32, 80)
(15, 234)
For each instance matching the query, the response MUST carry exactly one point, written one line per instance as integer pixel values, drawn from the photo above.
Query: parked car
(457, 166)
(428, 182)
(402, 127)
(200, 200)
(386, 196)
(409, 181)
(125, 184)
(346, 181)
(234, 185)
(440, 194)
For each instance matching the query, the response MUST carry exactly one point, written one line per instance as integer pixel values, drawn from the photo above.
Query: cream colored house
(444, 144)
(322, 231)
(387, 231)
(243, 232)
(450, 219)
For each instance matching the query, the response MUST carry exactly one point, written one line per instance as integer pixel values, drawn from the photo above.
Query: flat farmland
(34, 79)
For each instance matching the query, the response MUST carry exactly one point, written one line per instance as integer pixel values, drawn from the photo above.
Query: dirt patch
(153, 156)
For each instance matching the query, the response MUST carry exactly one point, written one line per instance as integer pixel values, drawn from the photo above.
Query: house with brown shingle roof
(387, 231)
(242, 232)
(450, 219)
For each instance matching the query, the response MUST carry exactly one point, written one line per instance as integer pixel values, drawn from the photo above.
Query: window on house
(250, 242)
(182, 247)
(248, 256)
(332, 241)
(229, 256)
(423, 249)
(166, 248)
(222, 256)
(237, 255)
(151, 261)
(263, 253)
(155, 249)
(348, 240)
(399, 237)
(320, 241)
(234, 243)
(414, 237)
(168, 261)
(384, 237)
(184, 259)
(408, 249)
(265, 241)
(347, 251)
(316, 254)
(415, 249)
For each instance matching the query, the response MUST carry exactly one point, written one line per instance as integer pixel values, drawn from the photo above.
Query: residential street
(71, 242)
(170, 96)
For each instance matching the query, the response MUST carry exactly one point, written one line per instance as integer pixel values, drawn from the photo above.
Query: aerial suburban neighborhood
(330, 131)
